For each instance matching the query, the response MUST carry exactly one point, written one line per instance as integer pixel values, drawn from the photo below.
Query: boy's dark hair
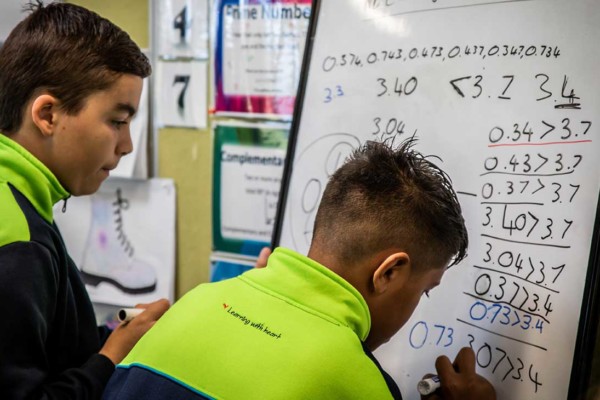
(383, 198)
(66, 50)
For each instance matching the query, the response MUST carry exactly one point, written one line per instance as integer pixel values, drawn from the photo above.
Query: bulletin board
(258, 56)
(248, 165)
(506, 94)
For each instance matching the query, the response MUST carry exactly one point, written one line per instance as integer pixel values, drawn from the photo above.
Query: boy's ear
(394, 270)
(44, 112)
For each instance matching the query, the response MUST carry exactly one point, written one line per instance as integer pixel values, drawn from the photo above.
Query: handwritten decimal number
(543, 228)
(559, 192)
(505, 315)
(332, 93)
(533, 163)
(564, 130)
(535, 270)
(499, 289)
(388, 130)
(565, 93)
(391, 126)
(400, 87)
(435, 53)
(504, 51)
(472, 86)
(552, 228)
(504, 364)
(348, 59)
(440, 335)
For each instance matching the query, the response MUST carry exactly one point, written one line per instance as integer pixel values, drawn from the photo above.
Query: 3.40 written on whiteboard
(506, 94)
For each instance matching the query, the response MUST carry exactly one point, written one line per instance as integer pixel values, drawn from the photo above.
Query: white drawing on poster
(123, 240)
(109, 254)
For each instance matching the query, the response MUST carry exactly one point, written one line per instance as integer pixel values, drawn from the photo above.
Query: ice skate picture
(123, 240)
(109, 254)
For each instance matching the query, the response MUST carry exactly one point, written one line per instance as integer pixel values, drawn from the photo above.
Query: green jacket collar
(313, 287)
(30, 177)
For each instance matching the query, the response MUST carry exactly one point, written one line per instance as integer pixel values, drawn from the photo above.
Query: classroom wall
(183, 155)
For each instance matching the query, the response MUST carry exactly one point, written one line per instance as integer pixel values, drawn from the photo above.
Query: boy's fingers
(444, 368)
(465, 361)
(263, 257)
(156, 309)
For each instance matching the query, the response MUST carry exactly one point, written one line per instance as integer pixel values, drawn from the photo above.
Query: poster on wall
(258, 56)
(122, 239)
(248, 165)
(182, 29)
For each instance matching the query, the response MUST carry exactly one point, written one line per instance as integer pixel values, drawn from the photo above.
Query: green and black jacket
(49, 339)
(293, 330)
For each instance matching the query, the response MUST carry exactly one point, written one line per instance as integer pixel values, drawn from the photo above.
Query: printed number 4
(180, 23)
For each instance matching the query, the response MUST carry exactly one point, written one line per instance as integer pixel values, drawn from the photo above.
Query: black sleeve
(104, 332)
(392, 386)
(29, 288)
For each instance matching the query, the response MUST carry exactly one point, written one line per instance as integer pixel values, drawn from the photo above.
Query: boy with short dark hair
(387, 227)
(70, 82)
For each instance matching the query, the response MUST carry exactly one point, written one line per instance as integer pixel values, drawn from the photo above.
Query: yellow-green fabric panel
(14, 227)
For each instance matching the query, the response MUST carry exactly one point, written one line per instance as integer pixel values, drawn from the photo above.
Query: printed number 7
(185, 79)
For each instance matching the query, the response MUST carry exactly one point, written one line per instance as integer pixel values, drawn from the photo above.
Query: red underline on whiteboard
(522, 242)
(513, 203)
(498, 334)
(538, 144)
(515, 276)
(443, 8)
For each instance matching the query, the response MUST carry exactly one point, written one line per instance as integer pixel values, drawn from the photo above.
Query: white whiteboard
(507, 94)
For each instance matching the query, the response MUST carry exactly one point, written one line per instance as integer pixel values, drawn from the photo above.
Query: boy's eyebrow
(126, 107)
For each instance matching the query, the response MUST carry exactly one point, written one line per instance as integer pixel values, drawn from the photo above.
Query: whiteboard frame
(590, 307)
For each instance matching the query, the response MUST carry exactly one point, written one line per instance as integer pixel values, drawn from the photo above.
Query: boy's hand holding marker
(127, 314)
(134, 323)
(456, 381)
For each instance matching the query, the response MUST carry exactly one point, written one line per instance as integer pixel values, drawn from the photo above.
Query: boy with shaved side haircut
(304, 327)
(70, 82)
